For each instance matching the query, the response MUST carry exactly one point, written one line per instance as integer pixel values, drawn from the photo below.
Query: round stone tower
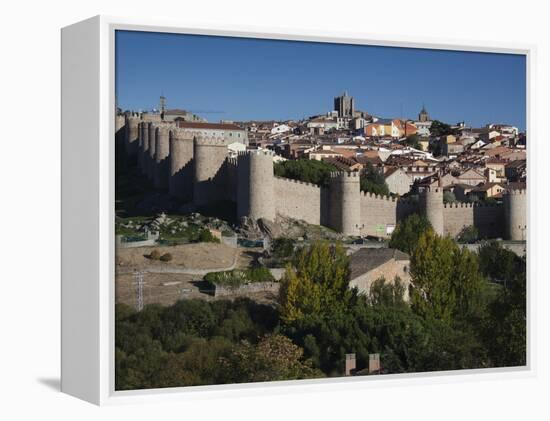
(140, 145)
(144, 156)
(515, 215)
(432, 207)
(345, 203)
(255, 185)
(210, 154)
(162, 151)
(152, 147)
(180, 163)
(131, 134)
(120, 131)
(120, 120)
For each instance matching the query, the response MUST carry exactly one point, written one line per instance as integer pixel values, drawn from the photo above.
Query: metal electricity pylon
(138, 284)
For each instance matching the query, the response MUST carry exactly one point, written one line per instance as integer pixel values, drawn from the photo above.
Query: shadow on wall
(325, 206)
(181, 182)
(489, 220)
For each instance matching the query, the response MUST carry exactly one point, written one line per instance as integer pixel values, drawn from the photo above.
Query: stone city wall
(298, 200)
(223, 291)
(487, 218)
(377, 214)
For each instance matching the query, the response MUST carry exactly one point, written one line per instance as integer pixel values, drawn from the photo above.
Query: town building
(368, 265)
(394, 128)
(398, 181)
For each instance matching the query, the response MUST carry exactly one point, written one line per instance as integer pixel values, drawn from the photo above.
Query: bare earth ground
(187, 256)
(167, 288)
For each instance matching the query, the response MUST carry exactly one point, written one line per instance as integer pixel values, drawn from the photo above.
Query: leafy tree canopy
(373, 181)
(439, 128)
(446, 282)
(317, 280)
(407, 233)
(307, 170)
(413, 141)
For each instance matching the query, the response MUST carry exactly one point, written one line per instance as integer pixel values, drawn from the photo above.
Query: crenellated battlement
(471, 205)
(303, 183)
(515, 192)
(210, 141)
(433, 190)
(345, 176)
(256, 152)
(374, 196)
(180, 134)
(164, 129)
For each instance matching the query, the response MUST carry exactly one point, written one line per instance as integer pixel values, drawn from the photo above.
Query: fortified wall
(194, 168)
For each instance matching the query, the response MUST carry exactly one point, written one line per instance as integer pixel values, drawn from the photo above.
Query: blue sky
(245, 79)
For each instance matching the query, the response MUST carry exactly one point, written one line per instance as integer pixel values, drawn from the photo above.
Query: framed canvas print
(245, 211)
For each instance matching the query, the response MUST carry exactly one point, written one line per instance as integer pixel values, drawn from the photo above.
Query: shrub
(166, 257)
(236, 278)
(283, 247)
(449, 197)
(154, 255)
(205, 236)
(468, 235)
(259, 274)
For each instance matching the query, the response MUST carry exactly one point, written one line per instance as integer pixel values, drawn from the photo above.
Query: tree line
(466, 310)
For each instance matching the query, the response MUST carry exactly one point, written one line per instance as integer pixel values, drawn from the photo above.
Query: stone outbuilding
(369, 264)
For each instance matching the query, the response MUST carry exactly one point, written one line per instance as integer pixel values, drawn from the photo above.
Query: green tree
(407, 233)
(413, 141)
(439, 128)
(468, 235)
(446, 283)
(307, 170)
(505, 327)
(274, 358)
(498, 263)
(449, 197)
(387, 293)
(468, 285)
(431, 272)
(373, 181)
(317, 279)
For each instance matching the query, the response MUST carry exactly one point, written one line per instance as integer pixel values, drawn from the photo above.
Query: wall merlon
(210, 141)
(180, 134)
(515, 192)
(303, 183)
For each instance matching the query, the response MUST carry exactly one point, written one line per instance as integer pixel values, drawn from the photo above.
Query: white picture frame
(88, 240)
